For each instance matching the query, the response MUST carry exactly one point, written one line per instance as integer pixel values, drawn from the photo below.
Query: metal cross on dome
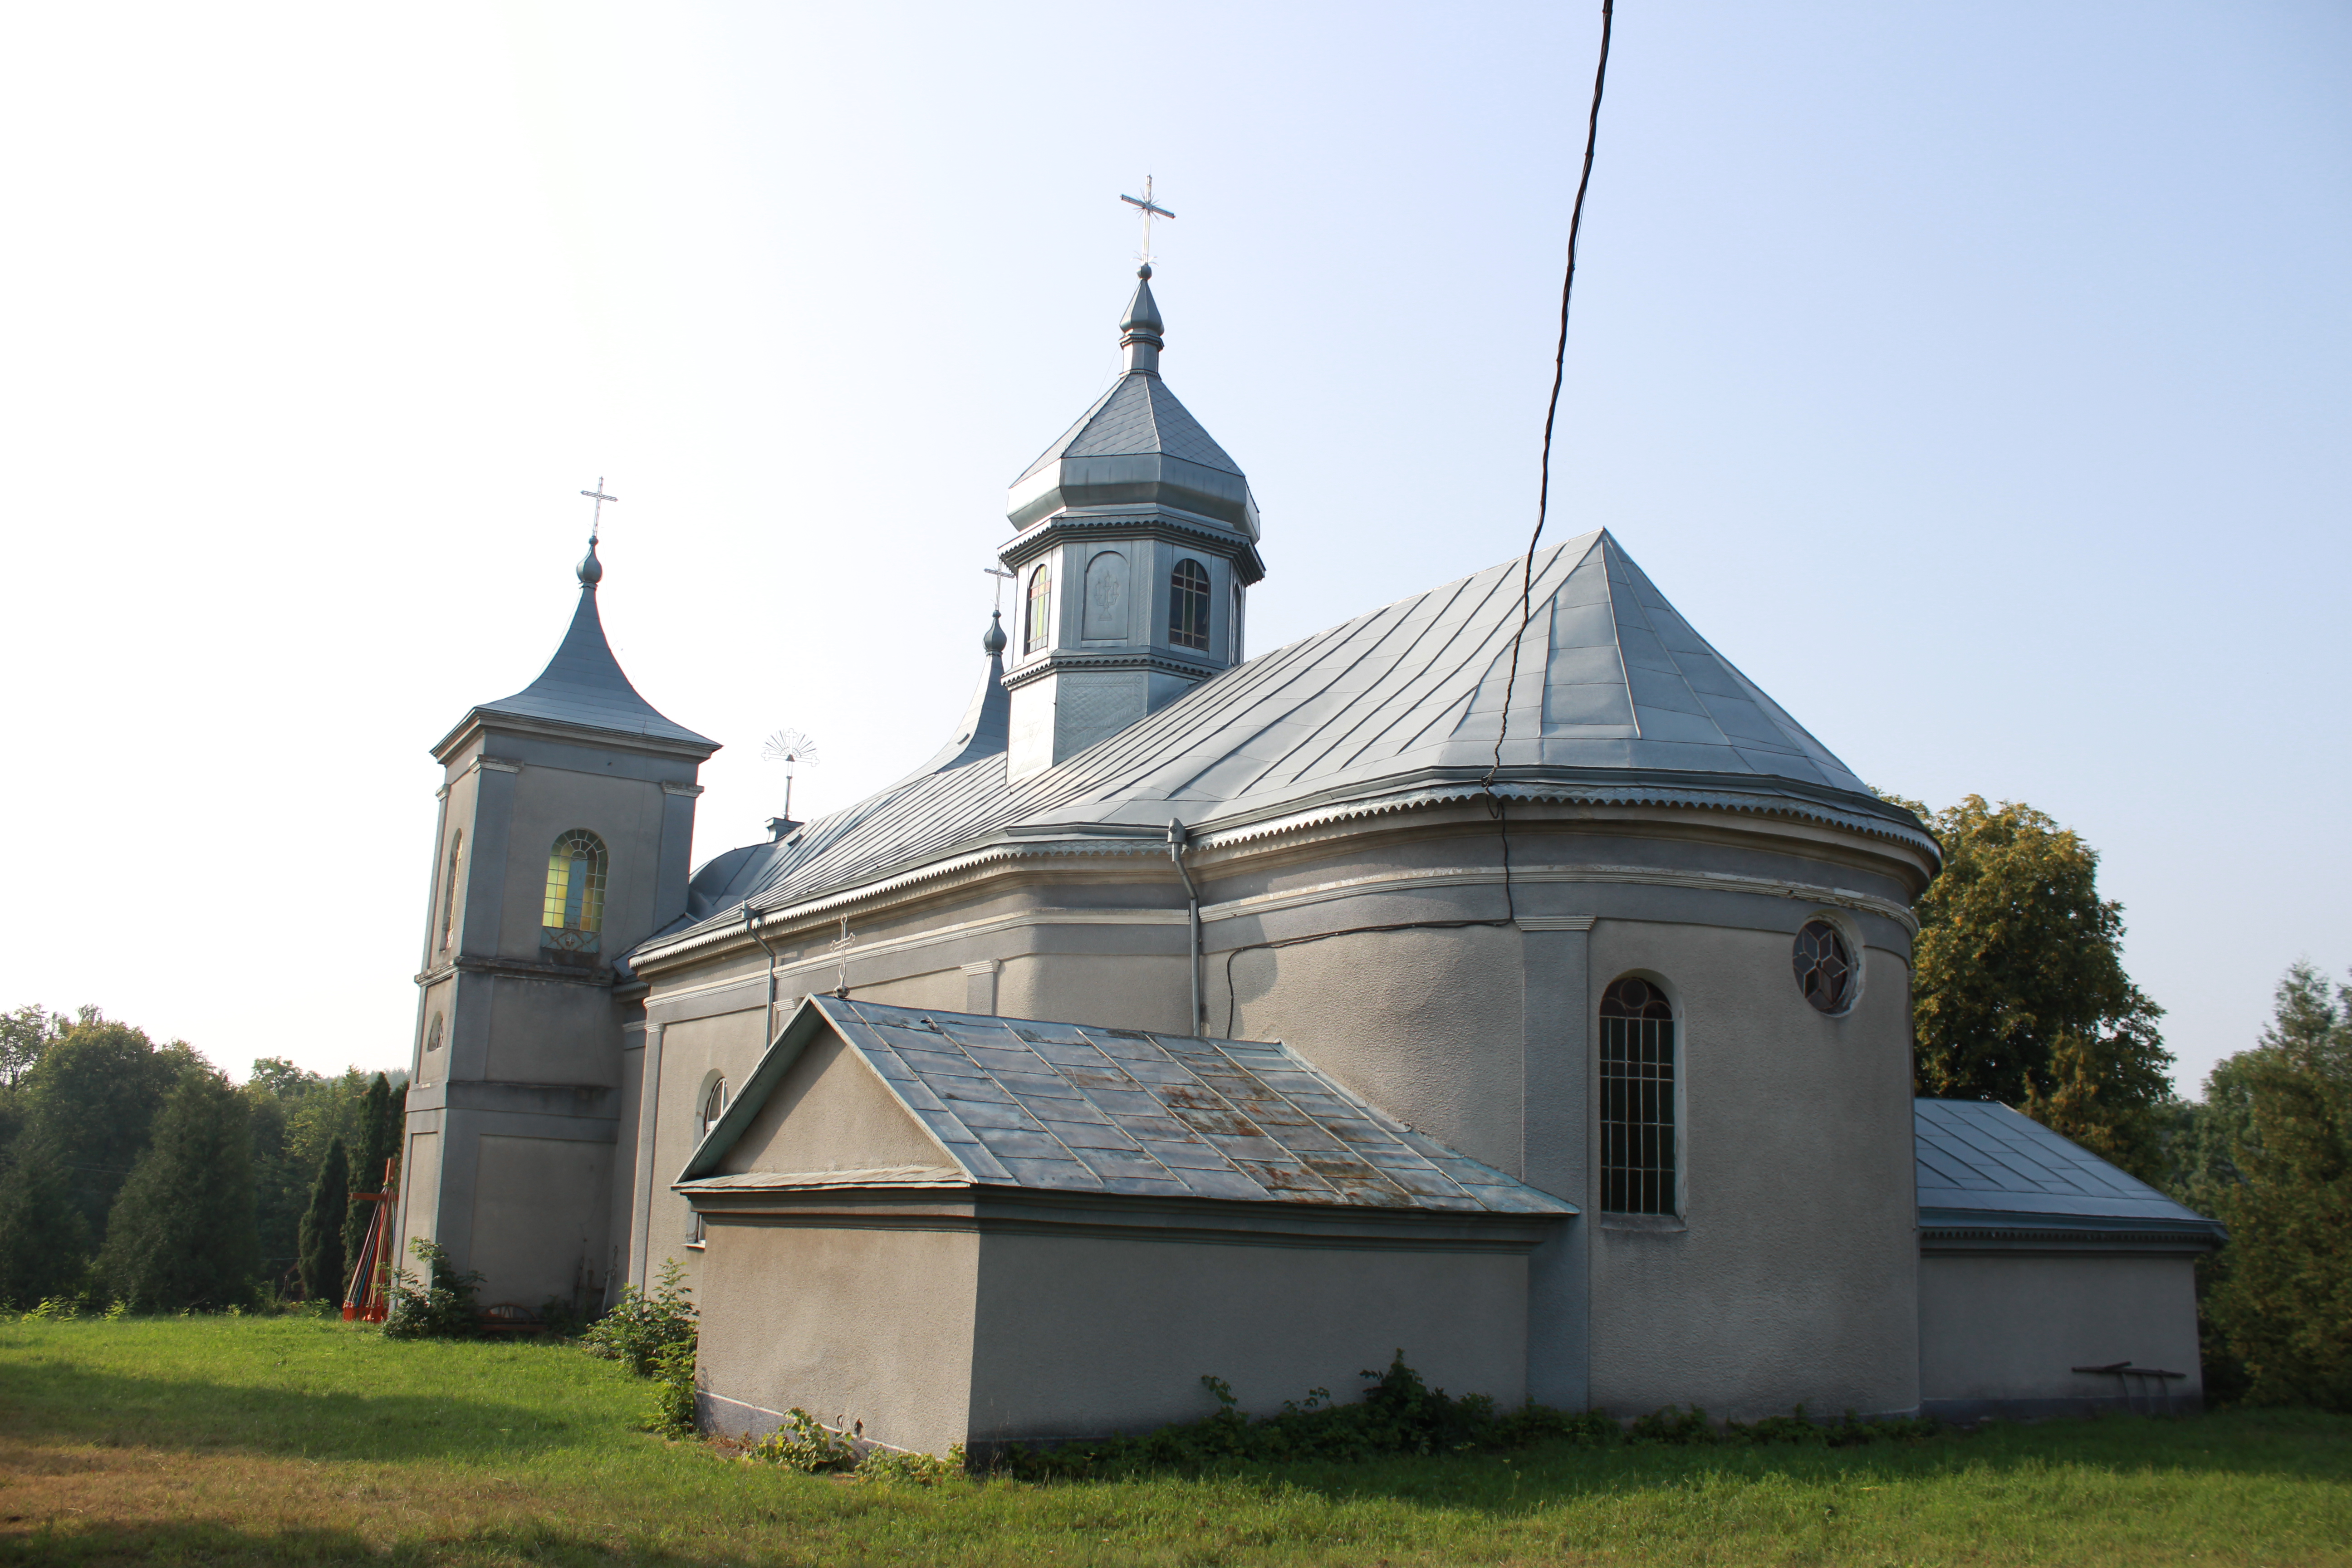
(596, 521)
(1150, 210)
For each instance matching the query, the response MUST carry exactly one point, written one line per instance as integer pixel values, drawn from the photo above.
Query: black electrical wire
(1494, 803)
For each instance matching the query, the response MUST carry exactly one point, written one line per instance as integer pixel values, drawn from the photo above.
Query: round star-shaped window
(1824, 967)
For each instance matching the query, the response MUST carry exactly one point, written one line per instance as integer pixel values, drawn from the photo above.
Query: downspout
(1177, 838)
(751, 929)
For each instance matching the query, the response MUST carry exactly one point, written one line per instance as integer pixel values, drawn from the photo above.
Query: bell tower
(567, 818)
(1136, 544)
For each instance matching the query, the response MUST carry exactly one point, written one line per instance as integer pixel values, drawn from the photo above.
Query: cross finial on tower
(1149, 210)
(596, 518)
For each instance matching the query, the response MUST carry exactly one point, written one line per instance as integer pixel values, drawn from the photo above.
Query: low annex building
(1508, 980)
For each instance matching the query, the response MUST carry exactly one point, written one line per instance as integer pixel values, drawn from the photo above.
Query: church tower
(567, 816)
(1137, 543)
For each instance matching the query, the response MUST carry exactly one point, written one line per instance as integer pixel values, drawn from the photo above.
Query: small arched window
(714, 1106)
(449, 891)
(1041, 599)
(1637, 1098)
(576, 892)
(1188, 606)
(1824, 967)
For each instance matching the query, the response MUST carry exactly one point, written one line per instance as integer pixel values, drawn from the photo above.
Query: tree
(25, 1034)
(90, 1101)
(2019, 993)
(182, 1232)
(374, 1146)
(2284, 1300)
(44, 1240)
(322, 1254)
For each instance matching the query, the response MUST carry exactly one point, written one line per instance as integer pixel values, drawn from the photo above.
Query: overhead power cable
(1552, 409)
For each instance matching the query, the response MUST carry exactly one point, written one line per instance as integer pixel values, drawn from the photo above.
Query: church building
(1503, 979)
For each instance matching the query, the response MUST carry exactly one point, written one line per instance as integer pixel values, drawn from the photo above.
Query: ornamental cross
(1003, 577)
(596, 521)
(1149, 210)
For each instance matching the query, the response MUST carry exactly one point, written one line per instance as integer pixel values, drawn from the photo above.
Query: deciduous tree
(90, 1100)
(44, 1240)
(2019, 993)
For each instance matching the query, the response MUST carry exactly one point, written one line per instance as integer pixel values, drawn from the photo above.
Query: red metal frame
(367, 1298)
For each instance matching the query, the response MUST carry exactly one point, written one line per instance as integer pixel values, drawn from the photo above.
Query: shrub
(1400, 1414)
(643, 1328)
(443, 1308)
(673, 1408)
(805, 1444)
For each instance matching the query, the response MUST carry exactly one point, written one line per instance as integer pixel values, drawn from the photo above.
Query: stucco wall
(540, 1207)
(420, 1194)
(625, 813)
(832, 1112)
(1791, 1273)
(551, 1031)
(1080, 1335)
(2004, 1330)
(850, 1325)
(1425, 1024)
(728, 1044)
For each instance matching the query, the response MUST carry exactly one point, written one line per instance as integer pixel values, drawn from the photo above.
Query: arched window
(426, 1068)
(1637, 1098)
(576, 892)
(449, 891)
(714, 1106)
(1825, 968)
(1188, 606)
(1041, 599)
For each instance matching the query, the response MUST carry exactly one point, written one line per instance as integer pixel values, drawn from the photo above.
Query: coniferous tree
(182, 1234)
(373, 1147)
(2281, 1297)
(44, 1240)
(323, 1255)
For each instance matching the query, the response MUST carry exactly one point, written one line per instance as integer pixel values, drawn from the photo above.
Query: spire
(1140, 332)
(987, 720)
(583, 685)
(1138, 447)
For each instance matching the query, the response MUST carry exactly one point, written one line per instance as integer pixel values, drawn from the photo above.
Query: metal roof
(1071, 1107)
(1618, 701)
(1137, 416)
(1980, 1162)
(582, 684)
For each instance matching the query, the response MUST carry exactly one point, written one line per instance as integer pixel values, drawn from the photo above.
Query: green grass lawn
(269, 1440)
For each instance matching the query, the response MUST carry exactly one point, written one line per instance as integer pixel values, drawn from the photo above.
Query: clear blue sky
(1972, 377)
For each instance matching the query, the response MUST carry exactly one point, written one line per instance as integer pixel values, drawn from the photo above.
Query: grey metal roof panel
(1402, 703)
(1138, 416)
(1983, 1158)
(583, 685)
(1056, 1106)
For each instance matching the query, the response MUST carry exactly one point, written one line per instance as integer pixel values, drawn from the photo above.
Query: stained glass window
(1041, 599)
(1824, 967)
(576, 892)
(1188, 606)
(1637, 1098)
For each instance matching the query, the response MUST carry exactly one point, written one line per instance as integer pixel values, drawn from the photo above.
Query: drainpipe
(1177, 838)
(751, 929)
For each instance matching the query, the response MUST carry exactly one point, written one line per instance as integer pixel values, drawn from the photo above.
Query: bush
(1400, 1414)
(443, 1308)
(673, 1408)
(642, 1328)
(805, 1444)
